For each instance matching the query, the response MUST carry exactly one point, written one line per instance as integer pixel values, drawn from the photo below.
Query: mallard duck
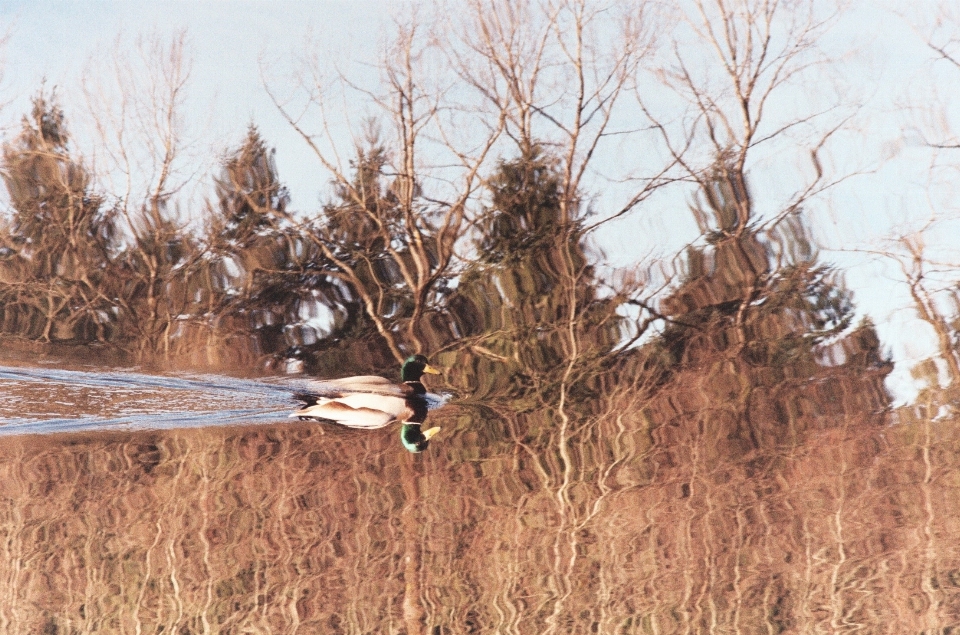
(369, 401)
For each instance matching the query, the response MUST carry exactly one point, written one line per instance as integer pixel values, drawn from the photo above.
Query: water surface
(139, 503)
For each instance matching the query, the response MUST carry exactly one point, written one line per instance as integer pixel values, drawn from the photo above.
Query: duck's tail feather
(307, 398)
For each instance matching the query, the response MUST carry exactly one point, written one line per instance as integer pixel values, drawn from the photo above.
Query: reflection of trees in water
(224, 530)
(758, 336)
(766, 411)
(734, 469)
(537, 338)
(374, 275)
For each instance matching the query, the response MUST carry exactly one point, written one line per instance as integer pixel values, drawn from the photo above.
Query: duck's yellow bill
(430, 369)
(429, 434)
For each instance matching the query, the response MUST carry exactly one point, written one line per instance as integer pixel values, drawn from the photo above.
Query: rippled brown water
(602, 523)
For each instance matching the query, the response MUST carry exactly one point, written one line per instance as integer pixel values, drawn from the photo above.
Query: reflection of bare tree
(136, 99)
(556, 73)
(759, 366)
(538, 329)
(731, 473)
(929, 299)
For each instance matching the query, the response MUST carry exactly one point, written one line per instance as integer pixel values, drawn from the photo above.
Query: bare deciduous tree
(921, 247)
(418, 217)
(557, 72)
(739, 66)
(136, 101)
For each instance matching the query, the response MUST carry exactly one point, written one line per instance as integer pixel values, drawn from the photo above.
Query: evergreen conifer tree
(58, 244)
(531, 290)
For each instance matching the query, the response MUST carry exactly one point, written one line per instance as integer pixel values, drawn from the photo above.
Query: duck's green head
(414, 367)
(414, 439)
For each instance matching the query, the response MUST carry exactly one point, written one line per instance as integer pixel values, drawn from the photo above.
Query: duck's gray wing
(362, 383)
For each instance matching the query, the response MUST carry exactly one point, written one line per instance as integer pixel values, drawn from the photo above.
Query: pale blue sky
(230, 42)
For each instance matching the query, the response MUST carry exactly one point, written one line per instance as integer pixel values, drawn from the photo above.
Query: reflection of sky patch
(317, 316)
